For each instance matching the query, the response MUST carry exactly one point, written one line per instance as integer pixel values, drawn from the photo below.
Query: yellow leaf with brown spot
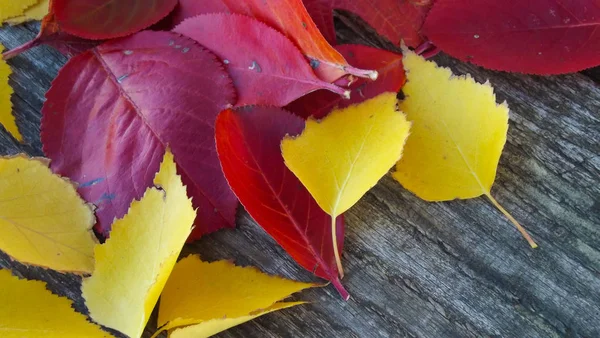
(133, 265)
(457, 138)
(6, 117)
(341, 157)
(43, 221)
(29, 310)
(202, 299)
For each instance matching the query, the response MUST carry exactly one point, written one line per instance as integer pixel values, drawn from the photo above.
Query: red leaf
(248, 143)
(391, 79)
(536, 36)
(260, 75)
(113, 110)
(290, 18)
(395, 19)
(107, 19)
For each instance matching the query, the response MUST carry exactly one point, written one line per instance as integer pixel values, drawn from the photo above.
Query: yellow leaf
(207, 298)
(133, 265)
(30, 311)
(43, 221)
(341, 157)
(35, 12)
(6, 117)
(457, 136)
(12, 8)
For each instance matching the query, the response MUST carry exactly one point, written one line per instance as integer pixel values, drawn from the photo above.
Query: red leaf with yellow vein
(391, 79)
(397, 20)
(534, 36)
(248, 143)
(113, 110)
(290, 18)
(107, 19)
(259, 75)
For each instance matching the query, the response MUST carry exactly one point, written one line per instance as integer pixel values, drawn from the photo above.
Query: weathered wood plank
(420, 269)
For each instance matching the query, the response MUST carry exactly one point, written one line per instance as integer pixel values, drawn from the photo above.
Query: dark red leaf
(107, 19)
(391, 79)
(246, 46)
(395, 19)
(290, 18)
(113, 110)
(248, 143)
(535, 36)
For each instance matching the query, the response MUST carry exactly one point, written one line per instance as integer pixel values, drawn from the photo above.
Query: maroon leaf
(260, 75)
(395, 19)
(107, 19)
(391, 79)
(248, 143)
(536, 36)
(113, 110)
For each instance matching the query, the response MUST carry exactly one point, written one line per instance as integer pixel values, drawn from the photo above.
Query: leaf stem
(336, 251)
(340, 288)
(23, 48)
(513, 220)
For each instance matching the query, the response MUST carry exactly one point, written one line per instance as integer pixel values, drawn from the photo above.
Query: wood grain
(417, 269)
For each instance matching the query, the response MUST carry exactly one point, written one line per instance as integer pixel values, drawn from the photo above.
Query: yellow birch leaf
(134, 264)
(341, 157)
(457, 137)
(208, 298)
(29, 310)
(43, 221)
(6, 117)
(12, 8)
(35, 12)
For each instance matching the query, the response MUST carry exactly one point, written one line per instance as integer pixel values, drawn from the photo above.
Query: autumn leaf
(105, 19)
(258, 74)
(396, 20)
(112, 111)
(341, 157)
(134, 264)
(248, 143)
(35, 12)
(42, 219)
(290, 18)
(12, 8)
(457, 136)
(202, 299)
(7, 120)
(535, 37)
(391, 79)
(28, 309)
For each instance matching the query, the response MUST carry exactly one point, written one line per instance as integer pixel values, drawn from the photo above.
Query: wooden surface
(417, 269)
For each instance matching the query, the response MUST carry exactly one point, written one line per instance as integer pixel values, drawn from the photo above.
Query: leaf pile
(170, 113)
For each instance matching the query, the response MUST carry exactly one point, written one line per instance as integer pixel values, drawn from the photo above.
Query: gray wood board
(418, 269)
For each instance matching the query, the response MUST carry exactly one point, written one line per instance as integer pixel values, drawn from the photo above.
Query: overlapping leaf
(42, 219)
(133, 265)
(457, 136)
(202, 299)
(536, 36)
(13, 8)
(30, 311)
(112, 111)
(260, 76)
(391, 79)
(34, 12)
(396, 20)
(7, 120)
(107, 19)
(341, 157)
(248, 143)
(290, 18)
